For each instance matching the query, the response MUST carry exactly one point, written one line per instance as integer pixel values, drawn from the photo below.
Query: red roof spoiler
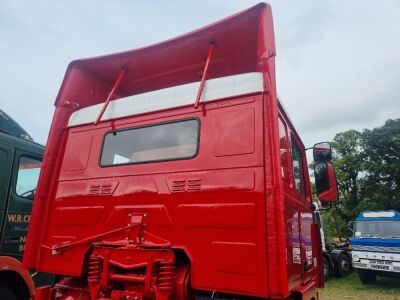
(243, 43)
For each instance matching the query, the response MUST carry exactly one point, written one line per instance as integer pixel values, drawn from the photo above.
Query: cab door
(22, 188)
(6, 158)
(293, 245)
(305, 212)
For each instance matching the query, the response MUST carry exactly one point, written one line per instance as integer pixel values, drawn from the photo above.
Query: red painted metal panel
(218, 215)
(143, 185)
(72, 216)
(233, 264)
(77, 157)
(234, 132)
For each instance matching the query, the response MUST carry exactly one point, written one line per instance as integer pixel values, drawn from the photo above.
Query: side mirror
(350, 225)
(322, 152)
(325, 182)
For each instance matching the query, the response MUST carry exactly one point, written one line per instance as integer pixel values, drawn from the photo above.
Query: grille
(94, 189)
(193, 185)
(106, 189)
(178, 186)
(190, 185)
(101, 189)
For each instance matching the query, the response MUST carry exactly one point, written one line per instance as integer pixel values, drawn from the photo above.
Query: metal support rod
(203, 77)
(56, 249)
(128, 278)
(115, 87)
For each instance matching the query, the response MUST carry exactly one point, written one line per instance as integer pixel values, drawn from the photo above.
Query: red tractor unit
(173, 172)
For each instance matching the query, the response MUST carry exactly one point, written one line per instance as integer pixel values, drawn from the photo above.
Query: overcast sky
(338, 62)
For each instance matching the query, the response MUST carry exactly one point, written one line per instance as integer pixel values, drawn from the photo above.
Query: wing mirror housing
(322, 152)
(326, 182)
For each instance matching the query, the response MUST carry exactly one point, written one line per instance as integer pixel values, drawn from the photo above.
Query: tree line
(368, 170)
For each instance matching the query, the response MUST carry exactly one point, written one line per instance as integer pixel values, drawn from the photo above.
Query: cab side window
(297, 168)
(27, 178)
(284, 151)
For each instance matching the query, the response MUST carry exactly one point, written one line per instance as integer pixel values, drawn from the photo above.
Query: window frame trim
(293, 141)
(151, 125)
(15, 180)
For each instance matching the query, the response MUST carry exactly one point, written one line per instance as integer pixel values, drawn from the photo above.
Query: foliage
(368, 170)
(382, 165)
(348, 163)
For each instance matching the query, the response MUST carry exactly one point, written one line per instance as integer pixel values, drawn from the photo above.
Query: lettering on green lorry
(18, 218)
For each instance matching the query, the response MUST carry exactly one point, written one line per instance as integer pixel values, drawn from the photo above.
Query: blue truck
(376, 245)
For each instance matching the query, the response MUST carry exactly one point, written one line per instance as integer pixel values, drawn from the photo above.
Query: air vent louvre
(94, 189)
(190, 185)
(101, 189)
(193, 185)
(178, 186)
(106, 189)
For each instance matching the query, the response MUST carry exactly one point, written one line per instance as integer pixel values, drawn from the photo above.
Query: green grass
(350, 287)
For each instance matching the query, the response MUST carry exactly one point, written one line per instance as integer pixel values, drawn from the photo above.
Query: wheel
(327, 269)
(367, 277)
(343, 267)
(6, 294)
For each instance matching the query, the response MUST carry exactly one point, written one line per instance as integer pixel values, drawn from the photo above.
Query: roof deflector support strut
(112, 92)
(204, 75)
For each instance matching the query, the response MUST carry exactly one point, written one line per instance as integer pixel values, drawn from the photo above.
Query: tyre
(367, 277)
(327, 269)
(6, 294)
(343, 267)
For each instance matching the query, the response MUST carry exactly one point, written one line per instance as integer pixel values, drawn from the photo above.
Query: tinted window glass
(297, 169)
(27, 178)
(170, 141)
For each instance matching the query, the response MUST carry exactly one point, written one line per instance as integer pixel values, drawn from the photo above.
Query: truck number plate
(380, 267)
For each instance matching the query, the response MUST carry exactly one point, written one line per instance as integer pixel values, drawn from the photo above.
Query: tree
(348, 162)
(381, 151)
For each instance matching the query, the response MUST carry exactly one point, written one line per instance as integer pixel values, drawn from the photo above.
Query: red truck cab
(172, 172)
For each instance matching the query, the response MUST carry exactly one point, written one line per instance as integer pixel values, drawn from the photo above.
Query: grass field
(350, 287)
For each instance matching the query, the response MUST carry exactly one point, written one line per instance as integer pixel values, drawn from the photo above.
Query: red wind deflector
(241, 46)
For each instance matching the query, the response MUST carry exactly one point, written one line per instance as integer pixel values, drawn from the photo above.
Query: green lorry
(20, 160)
